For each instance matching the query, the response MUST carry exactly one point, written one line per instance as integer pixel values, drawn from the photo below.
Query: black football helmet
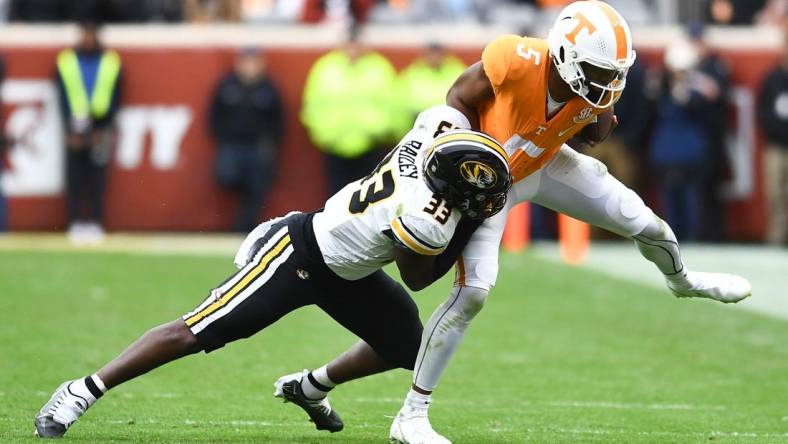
(470, 170)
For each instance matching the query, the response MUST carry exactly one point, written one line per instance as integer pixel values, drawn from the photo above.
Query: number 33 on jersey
(363, 222)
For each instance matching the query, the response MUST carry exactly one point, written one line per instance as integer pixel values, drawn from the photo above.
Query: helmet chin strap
(572, 74)
(582, 90)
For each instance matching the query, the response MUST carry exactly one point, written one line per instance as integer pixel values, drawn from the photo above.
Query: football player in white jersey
(406, 211)
(533, 95)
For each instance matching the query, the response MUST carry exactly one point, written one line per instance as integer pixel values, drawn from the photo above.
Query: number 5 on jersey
(529, 54)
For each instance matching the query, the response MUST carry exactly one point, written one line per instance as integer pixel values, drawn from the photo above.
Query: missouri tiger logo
(478, 174)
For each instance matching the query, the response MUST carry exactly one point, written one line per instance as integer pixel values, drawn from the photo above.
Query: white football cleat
(62, 410)
(721, 287)
(412, 426)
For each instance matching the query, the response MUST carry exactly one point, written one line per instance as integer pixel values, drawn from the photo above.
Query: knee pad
(658, 229)
(480, 272)
(581, 187)
(470, 301)
(627, 212)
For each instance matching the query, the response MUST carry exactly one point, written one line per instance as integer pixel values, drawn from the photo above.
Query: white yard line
(581, 404)
(633, 406)
(567, 403)
(495, 429)
(208, 244)
(765, 267)
(578, 431)
(232, 422)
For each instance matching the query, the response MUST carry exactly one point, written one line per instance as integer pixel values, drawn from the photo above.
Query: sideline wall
(161, 176)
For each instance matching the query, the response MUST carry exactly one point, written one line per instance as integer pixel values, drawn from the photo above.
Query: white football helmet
(595, 33)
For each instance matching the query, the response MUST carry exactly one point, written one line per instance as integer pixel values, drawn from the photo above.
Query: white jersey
(362, 224)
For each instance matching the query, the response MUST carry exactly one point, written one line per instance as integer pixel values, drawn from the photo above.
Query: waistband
(302, 234)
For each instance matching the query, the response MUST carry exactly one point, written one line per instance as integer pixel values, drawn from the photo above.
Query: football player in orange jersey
(533, 96)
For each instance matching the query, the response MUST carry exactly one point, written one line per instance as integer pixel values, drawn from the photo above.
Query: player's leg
(580, 186)
(359, 361)
(250, 300)
(476, 273)
(158, 346)
(380, 312)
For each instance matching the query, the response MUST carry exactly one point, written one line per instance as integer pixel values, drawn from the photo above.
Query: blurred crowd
(519, 13)
(670, 144)
(355, 107)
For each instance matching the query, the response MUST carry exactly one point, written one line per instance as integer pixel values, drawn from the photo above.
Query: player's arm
(469, 91)
(462, 234)
(418, 241)
(414, 268)
(420, 270)
(500, 64)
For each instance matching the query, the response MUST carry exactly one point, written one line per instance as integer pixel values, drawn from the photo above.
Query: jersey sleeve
(439, 118)
(425, 224)
(420, 235)
(497, 58)
(510, 57)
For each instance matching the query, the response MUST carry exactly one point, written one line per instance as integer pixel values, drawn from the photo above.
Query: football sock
(99, 384)
(317, 384)
(90, 388)
(417, 400)
(321, 376)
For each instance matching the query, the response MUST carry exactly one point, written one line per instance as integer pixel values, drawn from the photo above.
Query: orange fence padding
(517, 232)
(574, 238)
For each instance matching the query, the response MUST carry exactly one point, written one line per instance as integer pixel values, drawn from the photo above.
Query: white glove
(242, 257)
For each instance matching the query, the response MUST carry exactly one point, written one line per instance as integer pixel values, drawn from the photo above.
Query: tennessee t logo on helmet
(582, 23)
(592, 33)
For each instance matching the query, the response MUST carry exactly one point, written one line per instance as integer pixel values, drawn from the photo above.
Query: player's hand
(579, 143)
(613, 125)
(594, 133)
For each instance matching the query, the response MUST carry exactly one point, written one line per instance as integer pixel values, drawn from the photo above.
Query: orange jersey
(518, 68)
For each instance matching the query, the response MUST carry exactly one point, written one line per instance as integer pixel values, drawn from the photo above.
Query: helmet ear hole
(561, 54)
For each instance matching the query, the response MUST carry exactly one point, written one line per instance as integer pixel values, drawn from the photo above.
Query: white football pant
(571, 183)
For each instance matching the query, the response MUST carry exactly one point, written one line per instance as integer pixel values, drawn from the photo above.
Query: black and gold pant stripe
(288, 272)
(265, 258)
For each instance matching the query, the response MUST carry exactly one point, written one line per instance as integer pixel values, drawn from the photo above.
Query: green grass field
(558, 355)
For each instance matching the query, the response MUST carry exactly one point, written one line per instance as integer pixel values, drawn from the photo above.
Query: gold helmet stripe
(466, 142)
(468, 136)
